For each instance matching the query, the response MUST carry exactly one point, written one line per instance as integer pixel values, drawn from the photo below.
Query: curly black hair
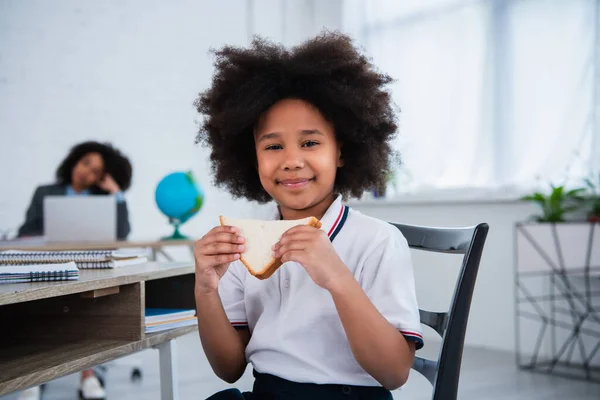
(328, 72)
(115, 163)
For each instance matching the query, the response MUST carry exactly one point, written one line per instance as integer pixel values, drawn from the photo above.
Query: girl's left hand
(109, 185)
(312, 248)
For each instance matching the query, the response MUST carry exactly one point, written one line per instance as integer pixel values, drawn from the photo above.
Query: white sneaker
(91, 389)
(33, 393)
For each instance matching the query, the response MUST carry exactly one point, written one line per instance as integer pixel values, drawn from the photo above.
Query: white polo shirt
(296, 332)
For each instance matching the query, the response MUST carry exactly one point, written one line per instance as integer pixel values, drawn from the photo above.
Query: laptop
(80, 218)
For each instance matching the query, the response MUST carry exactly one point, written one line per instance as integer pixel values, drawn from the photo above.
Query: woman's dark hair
(115, 163)
(327, 72)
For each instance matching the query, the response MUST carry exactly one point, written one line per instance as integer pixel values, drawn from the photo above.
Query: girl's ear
(340, 160)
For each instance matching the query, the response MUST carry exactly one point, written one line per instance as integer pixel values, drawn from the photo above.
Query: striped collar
(333, 220)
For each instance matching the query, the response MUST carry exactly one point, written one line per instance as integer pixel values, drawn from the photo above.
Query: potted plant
(557, 204)
(593, 199)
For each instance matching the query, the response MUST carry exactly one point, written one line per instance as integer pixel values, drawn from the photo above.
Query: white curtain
(552, 85)
(492, 94)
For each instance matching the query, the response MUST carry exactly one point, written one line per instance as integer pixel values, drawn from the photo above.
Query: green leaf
(556, 199)
(574, 192)
(536, 197)
(589, 183)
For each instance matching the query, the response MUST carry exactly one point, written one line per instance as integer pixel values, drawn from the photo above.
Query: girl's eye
(309, 143)
(274, 147)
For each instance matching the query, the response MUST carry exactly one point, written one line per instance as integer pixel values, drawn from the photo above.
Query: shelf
(92, 279)
(24, 366)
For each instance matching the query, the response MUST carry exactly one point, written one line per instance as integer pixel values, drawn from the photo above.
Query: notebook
(157, 315)
(162, 319)
(190, 321)
(83, 259)
(38, 273)
(124, 262)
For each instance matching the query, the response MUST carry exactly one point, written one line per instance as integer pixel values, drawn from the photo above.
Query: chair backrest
(444, 372)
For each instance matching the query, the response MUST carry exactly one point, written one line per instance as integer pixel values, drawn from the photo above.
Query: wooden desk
(52, 329)
(157, 246)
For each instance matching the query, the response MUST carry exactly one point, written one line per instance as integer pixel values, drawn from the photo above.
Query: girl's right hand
(213, 253)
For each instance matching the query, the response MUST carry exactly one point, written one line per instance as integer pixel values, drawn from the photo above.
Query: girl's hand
(312, 248)
(213, 254)
(109, 185)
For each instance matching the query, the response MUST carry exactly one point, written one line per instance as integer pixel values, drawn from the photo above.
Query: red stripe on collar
(337, 221)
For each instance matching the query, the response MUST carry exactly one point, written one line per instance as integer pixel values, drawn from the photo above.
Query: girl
(305, 127)
(89, 168)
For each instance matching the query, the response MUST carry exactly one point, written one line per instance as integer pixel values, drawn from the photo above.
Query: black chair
(444, 372)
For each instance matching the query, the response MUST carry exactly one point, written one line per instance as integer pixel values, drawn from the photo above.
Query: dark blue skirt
(270, 387)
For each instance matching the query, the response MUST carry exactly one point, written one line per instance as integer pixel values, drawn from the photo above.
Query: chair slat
(441, 240)
(425, 367)
(435, 320)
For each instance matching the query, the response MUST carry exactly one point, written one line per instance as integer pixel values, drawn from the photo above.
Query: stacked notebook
(17, 266)
(38, 273)
(162, 319)
(83, 259)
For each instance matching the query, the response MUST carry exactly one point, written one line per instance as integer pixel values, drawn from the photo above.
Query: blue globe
(179, 197)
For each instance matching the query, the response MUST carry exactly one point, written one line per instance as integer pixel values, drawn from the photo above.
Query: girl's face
(298, 157)
(88, 171)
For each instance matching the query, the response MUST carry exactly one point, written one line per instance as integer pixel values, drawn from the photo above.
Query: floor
(486, 374)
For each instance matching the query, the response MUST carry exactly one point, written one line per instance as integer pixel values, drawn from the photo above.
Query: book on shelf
(84, 259)
(15, 273)
(162, 319)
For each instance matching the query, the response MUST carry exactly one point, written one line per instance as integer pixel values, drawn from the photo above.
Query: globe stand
(176, 234)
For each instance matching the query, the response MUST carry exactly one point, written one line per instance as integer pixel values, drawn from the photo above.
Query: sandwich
(260, 237)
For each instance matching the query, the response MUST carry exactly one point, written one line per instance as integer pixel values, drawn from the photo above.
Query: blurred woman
(90, 168)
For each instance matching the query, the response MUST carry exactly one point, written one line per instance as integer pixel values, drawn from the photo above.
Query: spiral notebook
(38, 273)
(83, 259)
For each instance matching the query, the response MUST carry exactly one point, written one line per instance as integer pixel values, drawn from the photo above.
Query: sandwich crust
(270, 268)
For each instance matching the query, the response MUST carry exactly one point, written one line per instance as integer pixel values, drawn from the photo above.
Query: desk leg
(168, 371)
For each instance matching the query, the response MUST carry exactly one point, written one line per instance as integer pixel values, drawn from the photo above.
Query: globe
(179, 197)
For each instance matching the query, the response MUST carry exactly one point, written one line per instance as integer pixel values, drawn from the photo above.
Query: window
(492, 94)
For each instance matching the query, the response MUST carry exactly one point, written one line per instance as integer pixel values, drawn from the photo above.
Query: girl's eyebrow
(274, 135)
(266, 136)
(311, 132)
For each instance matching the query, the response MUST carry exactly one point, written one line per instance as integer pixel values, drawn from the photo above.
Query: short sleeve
(388, 280)
(231, 292)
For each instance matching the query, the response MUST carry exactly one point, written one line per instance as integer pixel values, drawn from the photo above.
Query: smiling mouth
(294, 183)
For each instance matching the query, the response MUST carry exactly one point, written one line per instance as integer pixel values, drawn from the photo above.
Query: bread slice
(260, 237)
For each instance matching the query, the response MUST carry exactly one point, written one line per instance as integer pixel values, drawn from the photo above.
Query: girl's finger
(216, 248)
(213, 261)
(292, 246)
(296, 256)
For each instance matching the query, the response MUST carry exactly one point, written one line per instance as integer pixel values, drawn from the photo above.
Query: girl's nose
(293, 160)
